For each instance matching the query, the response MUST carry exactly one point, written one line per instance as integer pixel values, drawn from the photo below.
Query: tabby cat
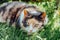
(28, 17)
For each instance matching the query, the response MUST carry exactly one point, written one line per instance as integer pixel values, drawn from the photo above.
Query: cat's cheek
(29, 28)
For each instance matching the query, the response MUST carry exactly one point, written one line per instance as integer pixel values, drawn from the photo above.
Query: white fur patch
(1, 18)
(21, 17)
(28, 28)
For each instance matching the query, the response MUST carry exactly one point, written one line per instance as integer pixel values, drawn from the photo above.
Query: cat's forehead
(33, 20)
(33, 11)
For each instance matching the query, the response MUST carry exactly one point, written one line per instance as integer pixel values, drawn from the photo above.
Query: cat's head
(32, 20)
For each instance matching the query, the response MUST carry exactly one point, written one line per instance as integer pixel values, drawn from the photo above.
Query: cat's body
(22, 14)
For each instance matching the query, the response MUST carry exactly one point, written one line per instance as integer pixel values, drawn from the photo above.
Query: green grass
(51, 31)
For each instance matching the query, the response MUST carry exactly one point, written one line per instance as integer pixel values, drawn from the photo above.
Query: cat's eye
(29, 16)
(36, 25)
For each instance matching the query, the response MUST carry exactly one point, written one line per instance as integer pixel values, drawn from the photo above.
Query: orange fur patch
(25, 13)
(43, 16)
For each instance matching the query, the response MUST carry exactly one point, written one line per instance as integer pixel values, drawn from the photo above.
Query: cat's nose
(30, 31)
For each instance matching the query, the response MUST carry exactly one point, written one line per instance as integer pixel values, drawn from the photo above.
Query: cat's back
(9, 5)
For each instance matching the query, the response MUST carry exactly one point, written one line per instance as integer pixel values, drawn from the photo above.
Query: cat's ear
(25, 13)
(43, 15)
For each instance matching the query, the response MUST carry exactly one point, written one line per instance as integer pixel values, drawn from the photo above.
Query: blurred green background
(51, 31)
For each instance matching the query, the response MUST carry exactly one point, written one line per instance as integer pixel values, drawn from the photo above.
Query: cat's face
(31, 20)
(33, 25)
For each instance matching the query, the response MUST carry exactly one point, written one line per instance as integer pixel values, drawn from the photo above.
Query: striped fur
(19, 13)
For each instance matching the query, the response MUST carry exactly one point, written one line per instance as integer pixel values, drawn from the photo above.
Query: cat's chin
(30, 33)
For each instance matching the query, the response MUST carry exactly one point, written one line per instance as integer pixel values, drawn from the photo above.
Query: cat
(26, 16)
